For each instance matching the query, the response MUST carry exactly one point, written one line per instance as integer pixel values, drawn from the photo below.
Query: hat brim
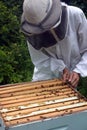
(50, 21)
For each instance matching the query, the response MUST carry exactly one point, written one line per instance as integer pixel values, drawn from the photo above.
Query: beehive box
(44, 105)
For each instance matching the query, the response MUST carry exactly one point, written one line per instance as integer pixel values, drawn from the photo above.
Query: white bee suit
(70, 52)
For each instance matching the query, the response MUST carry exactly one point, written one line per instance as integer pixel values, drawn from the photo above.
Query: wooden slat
(39, 112)
(45, 116)
(27, 102)
(31, 84)
(30, 102)
(28, 99)
(9, 109)
(30, 91)
(32, 96)
(27, 110)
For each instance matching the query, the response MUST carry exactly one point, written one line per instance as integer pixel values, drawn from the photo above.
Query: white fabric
(71, 52)
(36, 10)
(40, 15)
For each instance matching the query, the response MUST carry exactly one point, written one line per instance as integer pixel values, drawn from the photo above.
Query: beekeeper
(56, 35)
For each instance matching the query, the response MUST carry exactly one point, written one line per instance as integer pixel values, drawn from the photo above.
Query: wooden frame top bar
(31, 101)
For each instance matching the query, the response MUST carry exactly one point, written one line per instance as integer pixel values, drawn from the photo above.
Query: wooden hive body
(24, 104)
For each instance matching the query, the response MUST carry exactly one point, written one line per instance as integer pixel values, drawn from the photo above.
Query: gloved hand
(71, 77)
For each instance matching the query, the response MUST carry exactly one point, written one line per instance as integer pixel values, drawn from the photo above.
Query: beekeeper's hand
(74, 79)
(66, 75)
(71, 77)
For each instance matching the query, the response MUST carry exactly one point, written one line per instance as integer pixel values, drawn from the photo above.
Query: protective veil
(69, 51)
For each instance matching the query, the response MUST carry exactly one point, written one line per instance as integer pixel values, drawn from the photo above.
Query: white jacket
(71, 52)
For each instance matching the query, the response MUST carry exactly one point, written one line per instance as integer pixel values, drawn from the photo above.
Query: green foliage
(15, 64)
(82, 87)
(9, 25)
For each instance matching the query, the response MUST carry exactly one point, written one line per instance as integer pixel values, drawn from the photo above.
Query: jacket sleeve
(57, 66)
(81, 67)
(45, 67)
